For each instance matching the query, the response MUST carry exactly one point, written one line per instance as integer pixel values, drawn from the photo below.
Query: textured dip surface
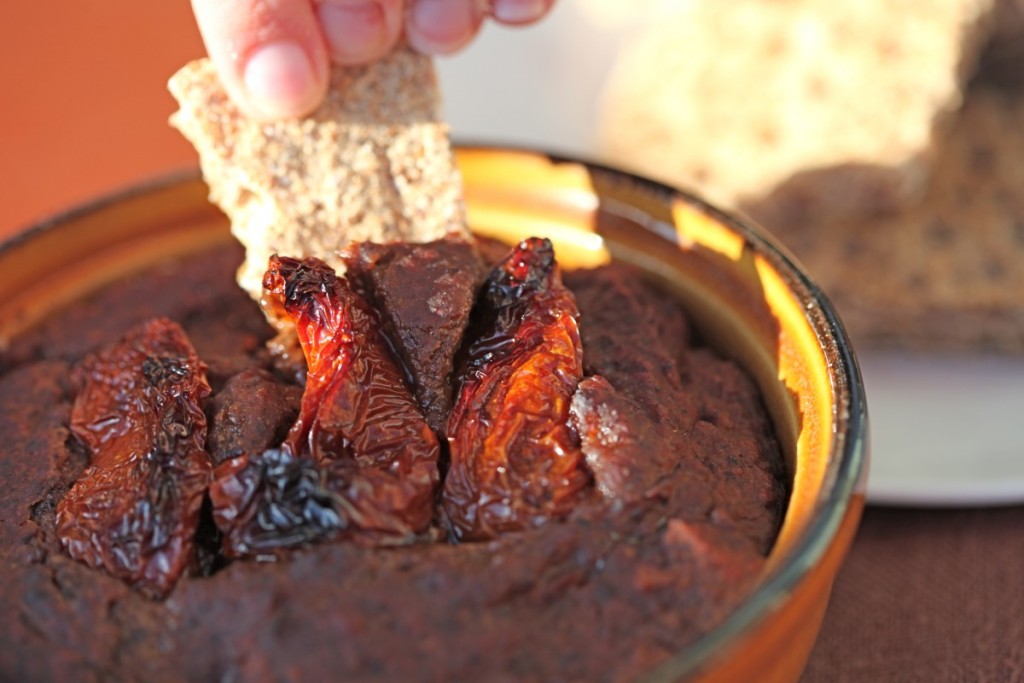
(601, 594)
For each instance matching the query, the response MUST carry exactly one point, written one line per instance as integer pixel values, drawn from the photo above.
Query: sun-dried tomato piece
(514, 459)
(273, 501)
(135, 509)
(359, 432)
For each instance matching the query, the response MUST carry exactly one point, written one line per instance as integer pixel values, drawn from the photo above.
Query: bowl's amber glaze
(744, 294)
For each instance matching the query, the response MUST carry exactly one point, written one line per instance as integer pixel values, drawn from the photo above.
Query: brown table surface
(927, 595)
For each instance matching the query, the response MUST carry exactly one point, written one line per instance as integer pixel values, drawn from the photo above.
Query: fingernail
(280, 82)
(441, 26)
(518, 11)
(356, 32)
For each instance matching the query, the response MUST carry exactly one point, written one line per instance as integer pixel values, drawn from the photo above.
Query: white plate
(945, 430)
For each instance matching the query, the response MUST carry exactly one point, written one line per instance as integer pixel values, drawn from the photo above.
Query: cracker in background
(373, 163)
(804, 106)
(948, 272)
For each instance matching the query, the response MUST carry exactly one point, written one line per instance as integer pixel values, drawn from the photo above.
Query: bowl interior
(744, 296)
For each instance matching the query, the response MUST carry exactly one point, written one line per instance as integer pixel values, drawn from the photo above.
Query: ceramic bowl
(744, 294)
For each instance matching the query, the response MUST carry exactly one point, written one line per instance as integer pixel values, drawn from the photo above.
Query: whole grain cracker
(948, 272)
(372, 163)
(839, 102)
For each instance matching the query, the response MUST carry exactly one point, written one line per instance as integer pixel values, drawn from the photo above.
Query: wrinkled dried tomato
(272, 501)
(359, 434)
(514, 459)
(135, 508)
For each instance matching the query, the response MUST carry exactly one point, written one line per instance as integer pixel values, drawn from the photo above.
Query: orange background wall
(83, 100)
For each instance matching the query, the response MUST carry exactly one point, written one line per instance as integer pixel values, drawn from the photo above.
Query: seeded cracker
(794, 107)
(372, 163)
(945, 273)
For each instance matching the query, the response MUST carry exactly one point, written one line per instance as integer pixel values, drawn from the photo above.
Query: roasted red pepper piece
(359, 434)
(135, 508)
(514, 459)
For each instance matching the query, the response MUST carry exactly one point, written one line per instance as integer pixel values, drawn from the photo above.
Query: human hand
(273, 55)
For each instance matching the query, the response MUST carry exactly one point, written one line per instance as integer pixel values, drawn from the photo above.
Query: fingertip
(281, 81)
(360, 31)
(519, 12)
(442, 26)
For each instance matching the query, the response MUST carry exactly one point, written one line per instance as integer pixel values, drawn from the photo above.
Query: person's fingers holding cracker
(273, 55)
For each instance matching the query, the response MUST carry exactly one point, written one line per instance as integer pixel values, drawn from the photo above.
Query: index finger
(270, 54)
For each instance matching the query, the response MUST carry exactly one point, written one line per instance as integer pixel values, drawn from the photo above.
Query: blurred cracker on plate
(839, 103)
(948, 272)
(372, 163)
